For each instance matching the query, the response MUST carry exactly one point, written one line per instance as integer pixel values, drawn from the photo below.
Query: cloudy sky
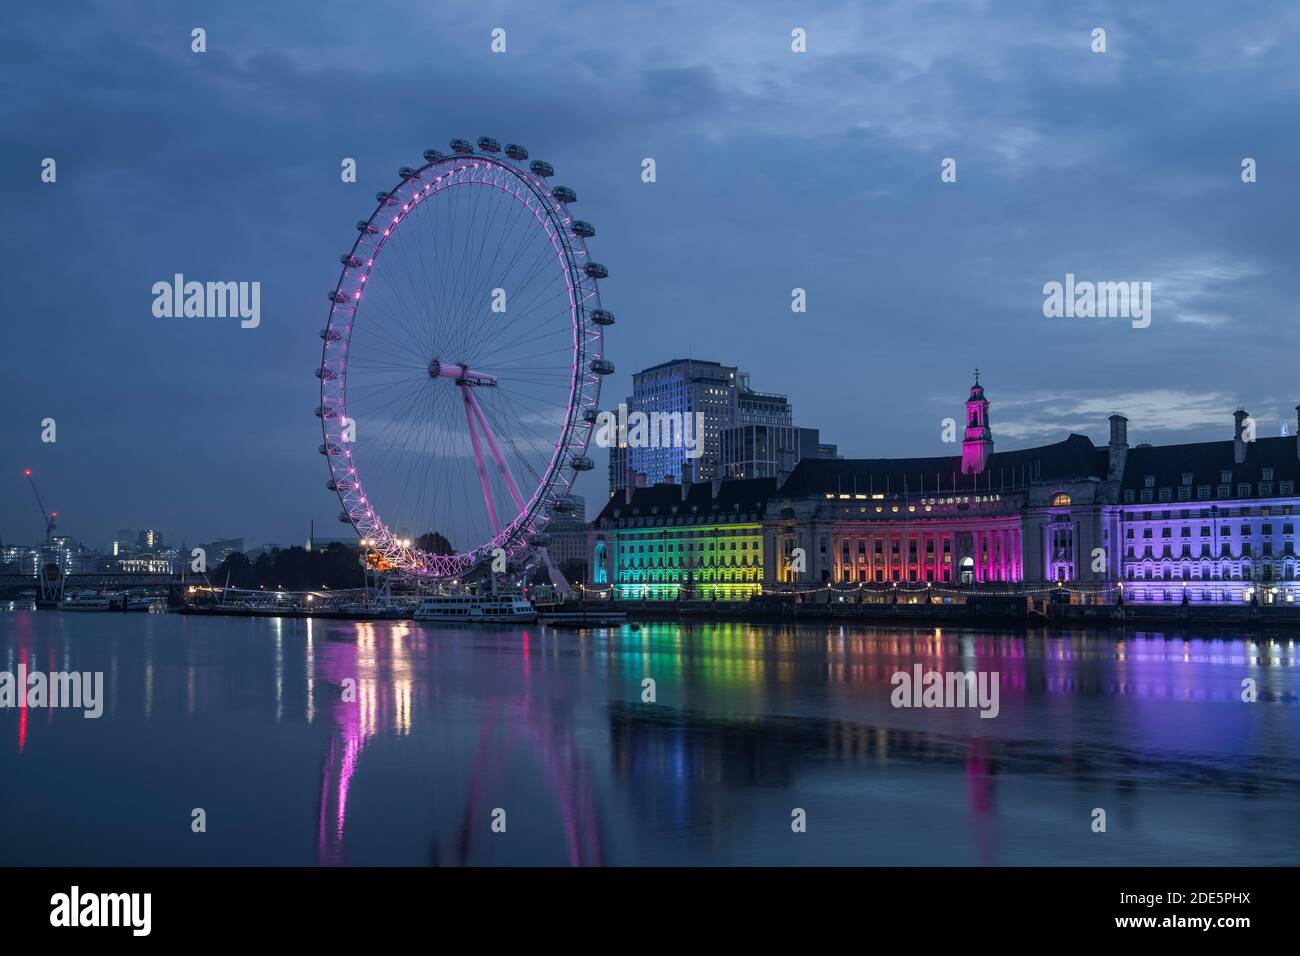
(776, 170)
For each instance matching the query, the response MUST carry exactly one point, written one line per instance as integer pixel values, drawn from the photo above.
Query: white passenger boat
(476, 608)
(85, 602)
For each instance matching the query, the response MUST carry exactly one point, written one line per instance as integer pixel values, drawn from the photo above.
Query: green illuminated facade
(681, 542)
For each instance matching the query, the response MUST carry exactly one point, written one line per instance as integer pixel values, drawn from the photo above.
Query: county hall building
(1209, 522)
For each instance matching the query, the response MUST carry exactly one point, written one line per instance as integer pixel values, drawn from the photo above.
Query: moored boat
(584, 618)
(85, 602)
(476, 608)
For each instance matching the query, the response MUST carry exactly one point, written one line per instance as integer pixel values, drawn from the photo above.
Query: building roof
(1074, 457)
(682, 361)
(1204, 461)
(750, 494)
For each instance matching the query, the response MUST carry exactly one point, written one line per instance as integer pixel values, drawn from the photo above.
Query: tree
(294, 569)
(434, 543)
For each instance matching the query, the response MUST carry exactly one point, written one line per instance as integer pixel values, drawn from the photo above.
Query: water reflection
(413, 739)
(507, 731)
(371, 684)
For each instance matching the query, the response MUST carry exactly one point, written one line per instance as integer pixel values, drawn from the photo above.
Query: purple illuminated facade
(1211, 522)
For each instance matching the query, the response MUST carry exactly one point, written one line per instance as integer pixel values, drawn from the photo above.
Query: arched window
(1060, 500)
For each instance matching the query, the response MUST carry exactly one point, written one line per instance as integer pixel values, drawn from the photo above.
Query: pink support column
(478, 459)
(496, 452)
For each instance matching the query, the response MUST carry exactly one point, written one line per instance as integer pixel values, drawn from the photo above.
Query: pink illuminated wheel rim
(462, 361)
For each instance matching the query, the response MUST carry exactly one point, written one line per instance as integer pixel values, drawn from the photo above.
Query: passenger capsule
(330, 334)
(602, 366)
(352, 262)
(595, 270)
(367, 228)
(602, 316)
(385, 198)
(461, 146)
(590, 415)
(584, 229)
(338, 296)
(515, 151)
(582, 463)
(406, 172)
(330, 449)
(433, 155)
(332, 485)
(488, 145)
(541, 168)
(564, 194)
(325, 374)
(343, 517)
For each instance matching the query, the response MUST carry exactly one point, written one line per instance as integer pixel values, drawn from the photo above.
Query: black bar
(480, 906)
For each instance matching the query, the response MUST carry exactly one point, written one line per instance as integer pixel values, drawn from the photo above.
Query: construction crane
(46, 516)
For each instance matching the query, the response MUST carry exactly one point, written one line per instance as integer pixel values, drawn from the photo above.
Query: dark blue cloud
(774, 171)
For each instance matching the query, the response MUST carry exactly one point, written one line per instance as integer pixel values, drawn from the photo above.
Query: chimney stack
(629, 486)
(686, 475)
(1118, 447)
(1238, 440)
(1297, 431)
(716, 488)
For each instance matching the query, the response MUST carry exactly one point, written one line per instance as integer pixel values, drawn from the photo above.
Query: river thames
(337, 743)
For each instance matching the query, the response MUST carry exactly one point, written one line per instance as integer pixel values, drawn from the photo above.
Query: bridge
(13, 585)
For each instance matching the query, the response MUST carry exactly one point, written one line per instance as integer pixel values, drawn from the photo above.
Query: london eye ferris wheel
(462, 362)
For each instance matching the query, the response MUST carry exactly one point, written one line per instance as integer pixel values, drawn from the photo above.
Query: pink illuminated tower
(977, 444)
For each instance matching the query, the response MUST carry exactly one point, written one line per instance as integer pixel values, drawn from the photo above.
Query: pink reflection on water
(377, 660)
(338, 662)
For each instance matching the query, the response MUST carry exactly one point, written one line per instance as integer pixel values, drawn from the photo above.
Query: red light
(27, 472)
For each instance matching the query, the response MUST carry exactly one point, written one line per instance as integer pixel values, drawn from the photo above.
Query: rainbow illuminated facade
(1211, 522)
